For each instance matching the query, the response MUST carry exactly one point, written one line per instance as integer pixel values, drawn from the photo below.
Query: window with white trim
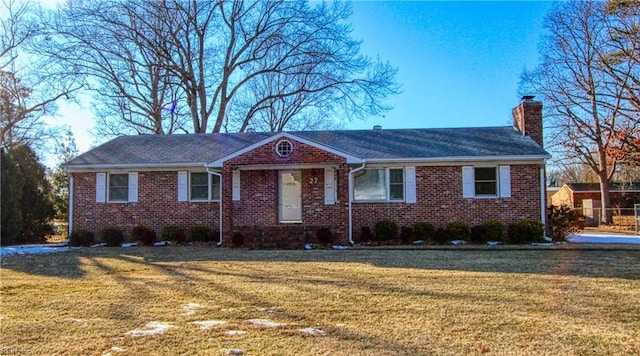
(486, 181)
(284, 148)
(118, 187)
(203, 186)
(379, 184)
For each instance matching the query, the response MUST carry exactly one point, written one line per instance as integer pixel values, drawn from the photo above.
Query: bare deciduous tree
(586, 108)
(224, 64)
(117, 48)
(29, 88)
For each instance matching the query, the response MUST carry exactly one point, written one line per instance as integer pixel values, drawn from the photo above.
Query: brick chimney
(527, 118)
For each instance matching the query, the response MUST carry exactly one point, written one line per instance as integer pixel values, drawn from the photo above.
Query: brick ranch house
(281, 186)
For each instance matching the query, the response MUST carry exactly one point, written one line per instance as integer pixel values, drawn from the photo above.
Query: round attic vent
(284, 148)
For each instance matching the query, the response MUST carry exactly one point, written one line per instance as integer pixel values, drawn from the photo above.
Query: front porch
(280, 236)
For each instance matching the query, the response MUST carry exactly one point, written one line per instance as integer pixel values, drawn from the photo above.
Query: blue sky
(459, 63)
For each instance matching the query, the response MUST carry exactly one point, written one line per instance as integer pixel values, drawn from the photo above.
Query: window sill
(377, 201)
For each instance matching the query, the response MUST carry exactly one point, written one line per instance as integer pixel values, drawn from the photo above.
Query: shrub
(173, 233)
(144, 235)
(424, 231)
(440, 237)
(324, 236)
(563, 221)
(525, 232)
(199, 233)
(406, 235)
(490, 231)
(365, 234)
(385, 230)
(112, 236)
(237, 239)
(81, 237)
(457, 230)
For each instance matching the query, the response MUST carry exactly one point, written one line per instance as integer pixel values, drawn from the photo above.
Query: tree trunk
(605, 199)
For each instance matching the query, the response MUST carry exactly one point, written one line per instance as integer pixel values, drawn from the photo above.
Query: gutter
(351, 172)
(219, 174)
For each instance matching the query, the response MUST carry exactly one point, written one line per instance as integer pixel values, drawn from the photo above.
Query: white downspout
(219, 203)
(351, 172)
(70, 207)
(543, 199)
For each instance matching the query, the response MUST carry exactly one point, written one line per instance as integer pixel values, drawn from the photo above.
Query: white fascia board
(132, 167)
(350, 159)
(459, 161)
(260, 167)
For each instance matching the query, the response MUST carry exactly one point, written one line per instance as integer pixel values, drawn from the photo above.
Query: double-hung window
(379, 184)
(118, 187)
(204, 186)
(486, 181)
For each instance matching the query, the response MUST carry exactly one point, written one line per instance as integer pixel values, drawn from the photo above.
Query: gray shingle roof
(428, 143)
(425, 144)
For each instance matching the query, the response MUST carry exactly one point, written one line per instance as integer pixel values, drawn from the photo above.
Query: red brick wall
(527, 118)
(440, 201)
(258, 203)
(157, 205)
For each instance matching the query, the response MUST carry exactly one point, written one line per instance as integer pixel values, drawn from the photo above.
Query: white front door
(290, 196)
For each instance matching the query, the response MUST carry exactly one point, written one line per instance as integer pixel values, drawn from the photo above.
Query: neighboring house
(573, 194)
(284, 186)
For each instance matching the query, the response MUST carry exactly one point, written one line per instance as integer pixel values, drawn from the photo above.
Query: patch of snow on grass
(233, 351)
(32, 249)
(458, 242)
(114, 349)
(77, 320)
(268, 310)
(152, 328)
(161, 243)
(102, 244)
(542, 244)
(208, 324)
(265, 322)
(190, 309)
(594, 238)
(234, 332)
(312, 331)
(129, 244)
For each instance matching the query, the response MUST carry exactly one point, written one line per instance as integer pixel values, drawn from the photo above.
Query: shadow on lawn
(607, 263)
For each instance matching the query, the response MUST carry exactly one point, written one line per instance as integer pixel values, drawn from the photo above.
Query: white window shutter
(468, 182)
(183, 187)
(329, 186)
(505, 181)
(101, 187)
(133, 187)
(235, 185)
(410, 184)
